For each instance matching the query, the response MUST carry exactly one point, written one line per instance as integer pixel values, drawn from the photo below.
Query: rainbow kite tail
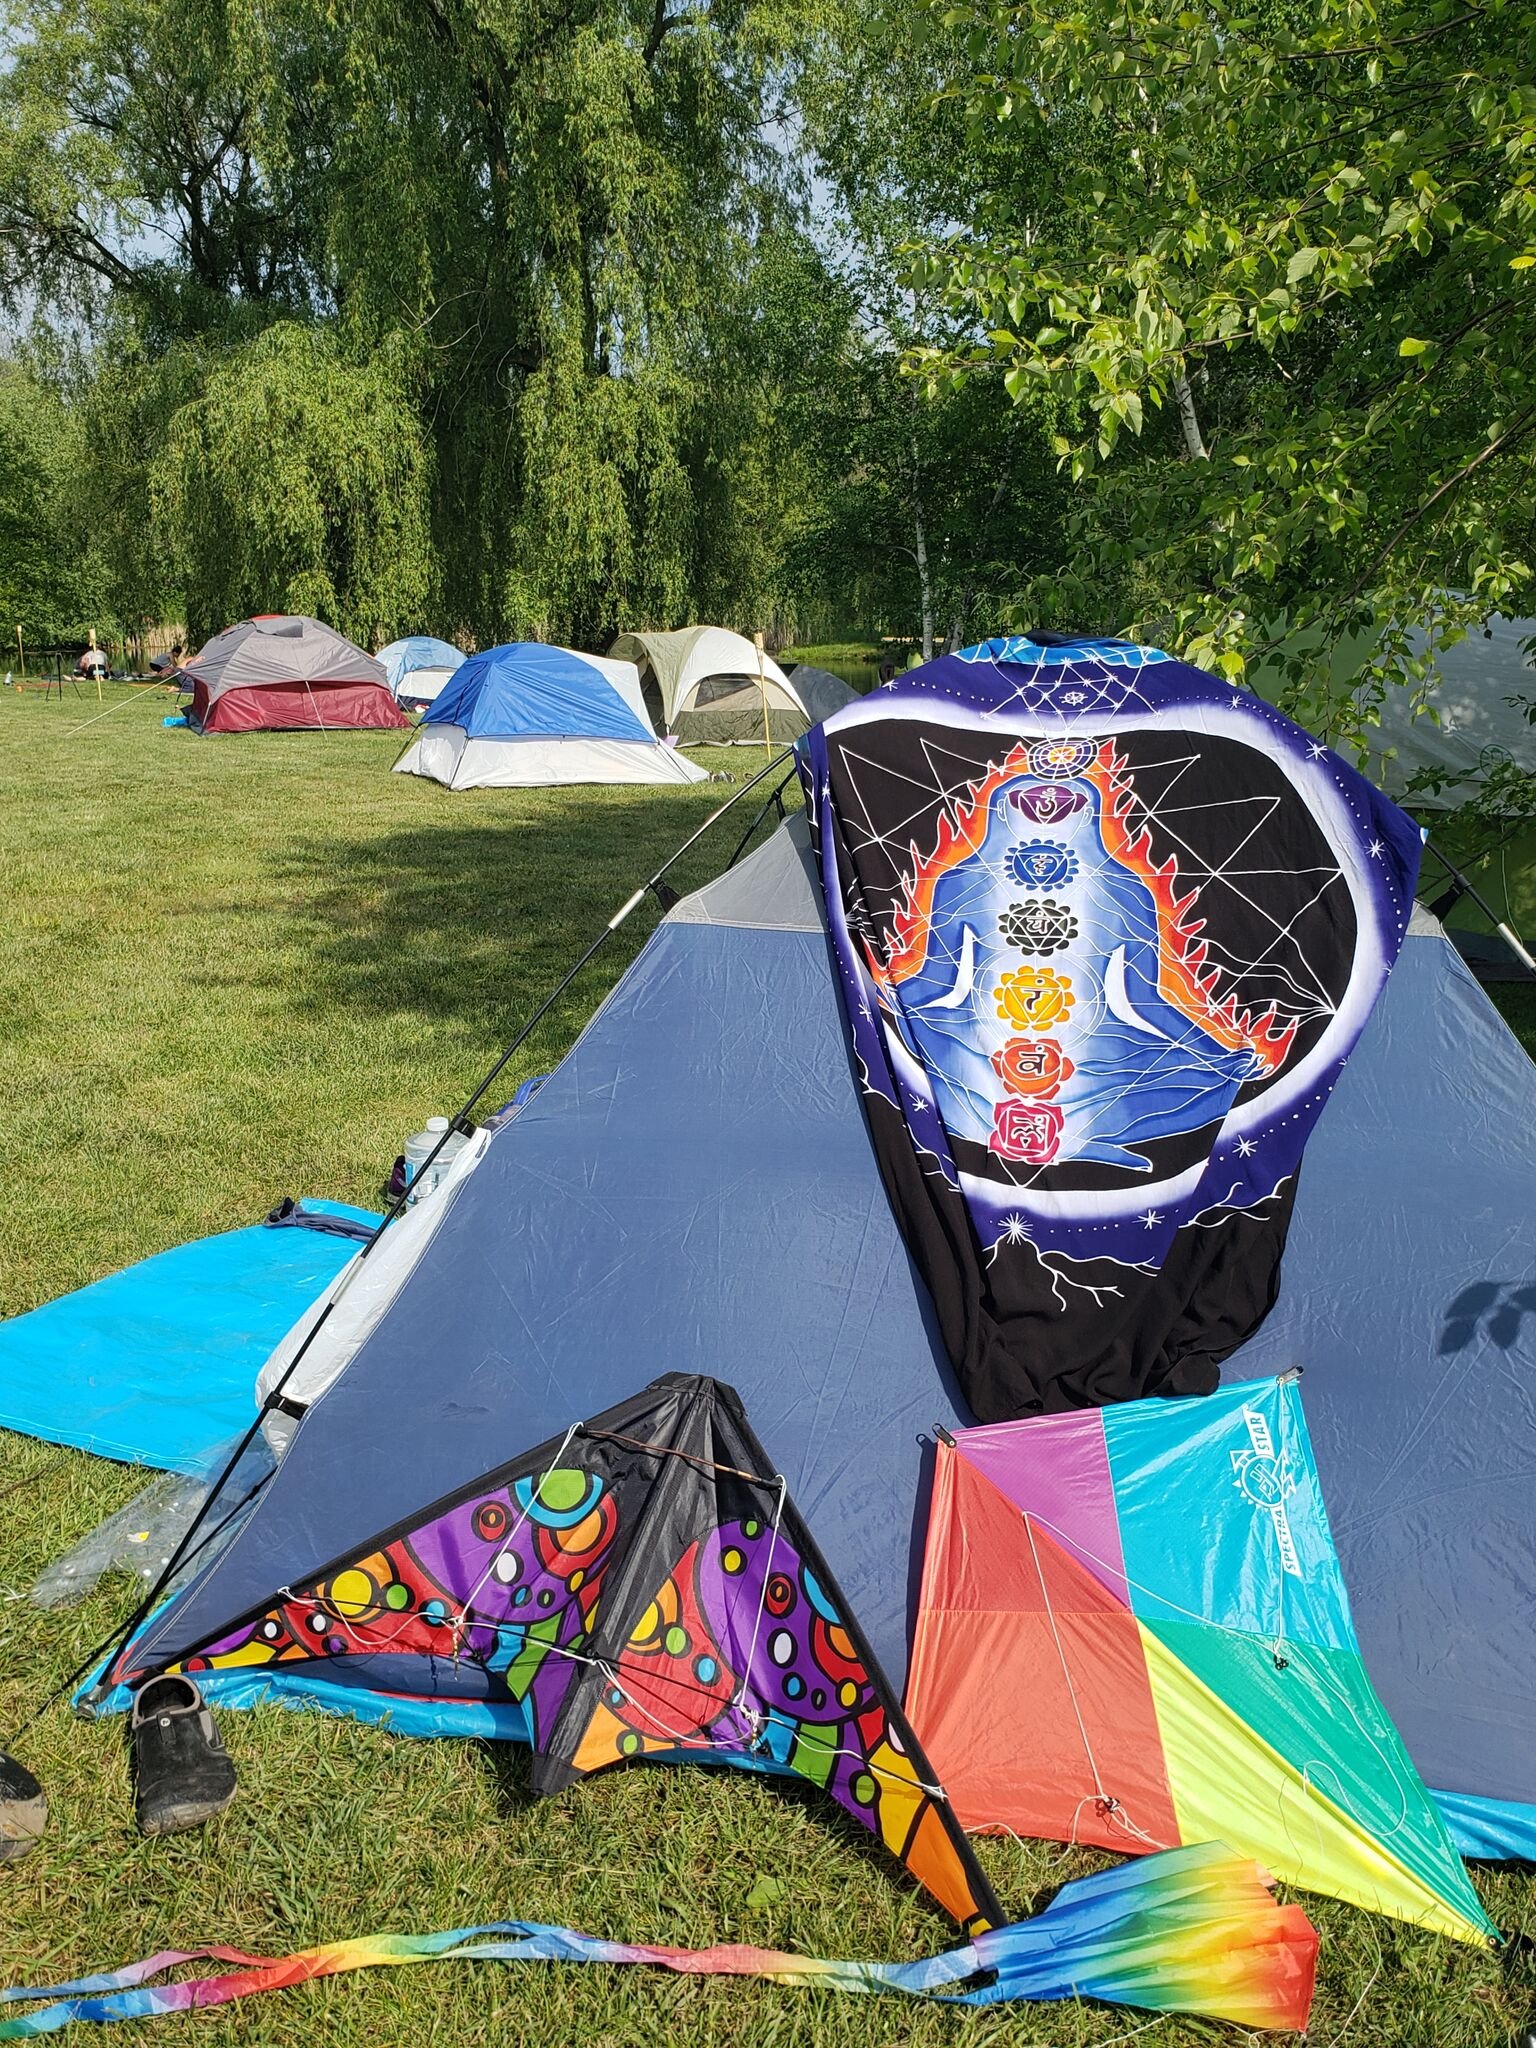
(1191, 1930)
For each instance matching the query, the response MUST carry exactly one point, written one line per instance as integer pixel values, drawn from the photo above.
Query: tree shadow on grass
(473, 920)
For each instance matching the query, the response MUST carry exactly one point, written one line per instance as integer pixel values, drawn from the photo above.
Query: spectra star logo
(1265, 1478)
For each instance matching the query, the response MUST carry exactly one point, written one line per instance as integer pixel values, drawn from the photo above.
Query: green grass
(235, 969)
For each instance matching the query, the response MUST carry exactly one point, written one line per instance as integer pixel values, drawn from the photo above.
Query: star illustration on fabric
(1316, 751)
(1375, 849)
(1074, 697)
(1151, 1218)
(1246, 1148)
(1015, 1230)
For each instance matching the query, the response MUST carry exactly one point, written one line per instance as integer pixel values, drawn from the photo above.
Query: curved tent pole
(111, 1646)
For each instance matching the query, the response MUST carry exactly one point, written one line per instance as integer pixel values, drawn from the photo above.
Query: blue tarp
(529, 691)
(693, 1190)
(157, 1365)
(402, 658)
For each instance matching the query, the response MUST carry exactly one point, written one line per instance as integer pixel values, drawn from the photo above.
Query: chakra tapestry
(1106, 930)
(641, 1588)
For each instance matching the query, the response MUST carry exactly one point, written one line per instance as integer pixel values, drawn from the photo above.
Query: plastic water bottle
(419, 1147)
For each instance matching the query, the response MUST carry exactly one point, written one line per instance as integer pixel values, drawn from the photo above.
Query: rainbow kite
(1133, 1631)
(1196, 1931)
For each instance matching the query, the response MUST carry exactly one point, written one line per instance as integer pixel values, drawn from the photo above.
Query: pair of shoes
(23, 1810)
(183, 1775)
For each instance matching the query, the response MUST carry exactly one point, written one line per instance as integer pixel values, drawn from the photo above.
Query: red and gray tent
(274, 674)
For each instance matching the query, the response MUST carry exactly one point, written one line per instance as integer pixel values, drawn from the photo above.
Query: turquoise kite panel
(1181, 1468)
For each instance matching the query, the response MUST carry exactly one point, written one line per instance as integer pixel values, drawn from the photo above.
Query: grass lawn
(241, 968)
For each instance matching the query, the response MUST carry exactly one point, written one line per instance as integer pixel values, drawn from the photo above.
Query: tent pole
(112, 1646)
(762, 686)
(1463, 885)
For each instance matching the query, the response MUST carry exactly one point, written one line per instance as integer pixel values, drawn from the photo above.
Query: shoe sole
(177, 1820)
(20, 1828)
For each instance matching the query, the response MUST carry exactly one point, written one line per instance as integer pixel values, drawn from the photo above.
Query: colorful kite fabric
(1107, 929)
(1133, 1631)
(1196, 1931)
(643, 1588)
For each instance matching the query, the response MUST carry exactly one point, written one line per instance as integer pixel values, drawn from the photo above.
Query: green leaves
(1287, 217)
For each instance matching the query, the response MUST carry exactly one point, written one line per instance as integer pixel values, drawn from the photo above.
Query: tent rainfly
(279, 674)
(711, 687)
(526, 715)
(419, 666)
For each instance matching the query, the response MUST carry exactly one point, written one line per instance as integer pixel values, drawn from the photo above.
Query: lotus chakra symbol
(1034, 998)
(1042, 926)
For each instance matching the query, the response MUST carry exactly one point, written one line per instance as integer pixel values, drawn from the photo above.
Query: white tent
(710, 686)
(419, 666)
(1475, 713)
(1484, 704)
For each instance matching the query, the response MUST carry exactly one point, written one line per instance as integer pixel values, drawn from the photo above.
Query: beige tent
(711, 686)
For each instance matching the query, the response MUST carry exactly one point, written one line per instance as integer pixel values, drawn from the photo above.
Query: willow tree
(528, 228)
(302, 474)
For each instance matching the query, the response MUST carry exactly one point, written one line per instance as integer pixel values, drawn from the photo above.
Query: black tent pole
(113, 1644)
(1463, 885)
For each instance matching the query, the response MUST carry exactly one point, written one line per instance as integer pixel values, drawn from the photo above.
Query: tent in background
(1476, 717)
(526, 714)
(710, 687)
(279, 674)
(820, 691)
(418, 667)
(695, 1184)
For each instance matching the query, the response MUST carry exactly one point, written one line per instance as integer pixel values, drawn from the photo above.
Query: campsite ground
(238, 969)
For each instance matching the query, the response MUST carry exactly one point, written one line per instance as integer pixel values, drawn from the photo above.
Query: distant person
(93, 662)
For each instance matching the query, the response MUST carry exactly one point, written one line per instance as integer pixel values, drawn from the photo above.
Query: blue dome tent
(418, 667)
(526, 714)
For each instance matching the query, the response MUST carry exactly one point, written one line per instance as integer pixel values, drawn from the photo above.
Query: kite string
(754, 1721)
(506, 1543)
(1108, 1805)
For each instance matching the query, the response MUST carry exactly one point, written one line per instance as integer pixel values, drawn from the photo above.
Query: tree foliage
(1288, 287)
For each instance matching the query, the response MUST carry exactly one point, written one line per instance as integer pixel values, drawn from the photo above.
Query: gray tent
(820, 691)
(275, 673)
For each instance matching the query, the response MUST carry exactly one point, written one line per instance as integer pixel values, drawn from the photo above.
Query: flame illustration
(1181, 952)
(907, 947)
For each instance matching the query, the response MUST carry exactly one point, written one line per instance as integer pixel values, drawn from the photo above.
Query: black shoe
(23, 1809)
(182, 1772)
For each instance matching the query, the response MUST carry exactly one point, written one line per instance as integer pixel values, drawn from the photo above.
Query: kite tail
(1191, 1930)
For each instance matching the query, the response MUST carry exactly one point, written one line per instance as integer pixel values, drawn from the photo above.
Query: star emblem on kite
(1015, 1230)
(1316, 751)
(1246, 1148)
(1375, 849)
(1151, 1218)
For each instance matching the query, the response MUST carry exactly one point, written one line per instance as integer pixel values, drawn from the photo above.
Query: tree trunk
(1189, 420)
(920, 553)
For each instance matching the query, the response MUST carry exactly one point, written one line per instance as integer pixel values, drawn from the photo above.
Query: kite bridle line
(107, 1651)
